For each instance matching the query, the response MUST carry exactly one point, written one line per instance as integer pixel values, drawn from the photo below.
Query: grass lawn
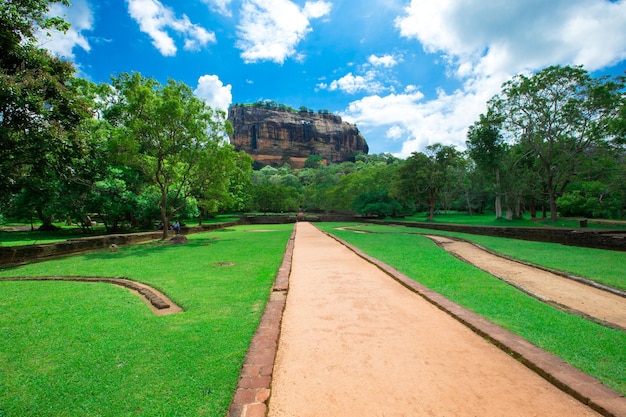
(594, 349)
(488, 219)
(87, 349)
(35, 237)
(603, 266)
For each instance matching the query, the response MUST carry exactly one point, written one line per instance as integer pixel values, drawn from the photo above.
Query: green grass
(35, 237)
(488, 219)
(596, 350)
(603, 266)
(85, 349)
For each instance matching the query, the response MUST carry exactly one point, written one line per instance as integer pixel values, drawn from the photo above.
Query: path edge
(157, 300)
(585, 388)
(253, 390)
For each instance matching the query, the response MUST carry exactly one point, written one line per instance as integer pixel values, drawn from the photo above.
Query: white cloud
(154, 19)
(384, 61)
(512, 36)
(220, 6)
(395, 132)
(80, 17)
(484, 44)
(317, 9)
(444, 119)
(271, 29)
(214, 92)
(352, 84)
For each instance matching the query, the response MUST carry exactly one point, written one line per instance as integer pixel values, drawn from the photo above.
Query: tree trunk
(432, 200)
(552, 207)
(164, 218)
(533, 209)
(498, 202)
(552, 195)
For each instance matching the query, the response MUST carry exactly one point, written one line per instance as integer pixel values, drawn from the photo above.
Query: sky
(408, 73)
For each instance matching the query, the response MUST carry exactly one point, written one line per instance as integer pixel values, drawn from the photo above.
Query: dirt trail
(354, 342)
(594, 302)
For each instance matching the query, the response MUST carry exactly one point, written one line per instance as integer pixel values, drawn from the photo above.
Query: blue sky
(409, 73)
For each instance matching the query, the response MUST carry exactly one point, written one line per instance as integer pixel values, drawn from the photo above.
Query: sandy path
(594, 302)
(354, 342)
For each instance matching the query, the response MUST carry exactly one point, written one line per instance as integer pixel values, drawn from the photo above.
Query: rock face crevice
(275, 136)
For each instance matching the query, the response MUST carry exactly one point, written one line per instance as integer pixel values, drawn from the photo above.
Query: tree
(19, 19)
(557, 114)
(423, 176)
(41, 108)
(486, 146)
(167, 133)
(376, 203)
(314, 161)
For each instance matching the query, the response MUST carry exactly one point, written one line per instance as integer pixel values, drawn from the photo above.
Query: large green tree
(486, 147)
(168, 133)
(41, 109)
(424, 175)
(557, 114)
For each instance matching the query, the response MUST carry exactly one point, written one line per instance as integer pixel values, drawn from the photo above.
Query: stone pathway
(356, 342)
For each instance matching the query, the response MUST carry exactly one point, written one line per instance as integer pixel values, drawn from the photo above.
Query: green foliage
(590, 199)
(377, 203)
(558, 116)
(175, 139)
(424, 177)
(313, 161)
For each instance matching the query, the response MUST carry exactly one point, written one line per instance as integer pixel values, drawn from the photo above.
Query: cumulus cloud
(269, 30)
(395, 133)
(383, 61)
(484, 44)
(370, 77)
(155, 19)
(506, 37)
(80, 17)
(214, 92)
(352, 84)
(220, 6)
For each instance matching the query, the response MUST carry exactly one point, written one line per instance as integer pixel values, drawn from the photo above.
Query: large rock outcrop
(274, 136)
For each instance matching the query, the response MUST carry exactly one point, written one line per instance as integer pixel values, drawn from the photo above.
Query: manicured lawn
(594, 349)
(603, 266)
(85, 349)
(488, 219)
(35, 237)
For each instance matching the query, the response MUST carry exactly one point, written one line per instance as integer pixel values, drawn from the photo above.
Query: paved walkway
(355, 342)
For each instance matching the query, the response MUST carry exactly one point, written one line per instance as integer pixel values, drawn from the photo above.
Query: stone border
(574, 382)
(253, 389)
(156, 300)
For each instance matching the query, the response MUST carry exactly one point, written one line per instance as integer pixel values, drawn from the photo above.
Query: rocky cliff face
(273, 136)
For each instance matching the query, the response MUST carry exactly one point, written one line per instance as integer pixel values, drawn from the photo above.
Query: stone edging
(253, 389)
(156, 300)
(574, 382)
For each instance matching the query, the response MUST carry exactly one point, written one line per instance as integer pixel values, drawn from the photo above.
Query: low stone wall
(18, 254)
(600, 239)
